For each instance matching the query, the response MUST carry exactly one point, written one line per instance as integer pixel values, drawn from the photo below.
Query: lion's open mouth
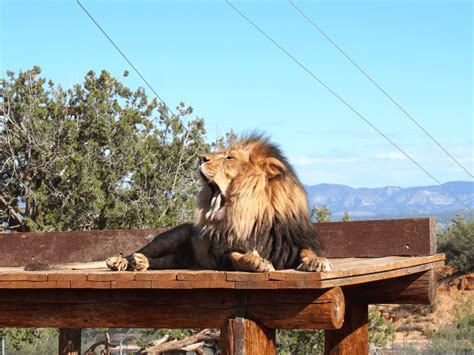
(217, 200)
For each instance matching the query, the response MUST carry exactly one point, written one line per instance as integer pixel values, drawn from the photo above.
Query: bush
(457, 242)
(458, 338)
(30, 340)
(300, 341)
(381, 330)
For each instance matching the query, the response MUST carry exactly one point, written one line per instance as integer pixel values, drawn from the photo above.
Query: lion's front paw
(315, 263)
(251, 261)
(117, 263)
(139, 262)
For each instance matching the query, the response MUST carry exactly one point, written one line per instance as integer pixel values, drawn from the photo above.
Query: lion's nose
(204, 158)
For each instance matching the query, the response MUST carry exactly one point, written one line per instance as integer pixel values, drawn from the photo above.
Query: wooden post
(70, 341)
(353, 337)
(240, 336)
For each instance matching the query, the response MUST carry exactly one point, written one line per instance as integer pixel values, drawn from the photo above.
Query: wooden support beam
(149, 308)
(70, 341)
(417, 288)
(240, 336)
(353, 337)
(308, 310)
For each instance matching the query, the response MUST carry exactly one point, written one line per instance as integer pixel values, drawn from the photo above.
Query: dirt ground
(414, 323)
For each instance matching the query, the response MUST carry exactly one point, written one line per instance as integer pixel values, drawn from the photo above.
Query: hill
(393, 201)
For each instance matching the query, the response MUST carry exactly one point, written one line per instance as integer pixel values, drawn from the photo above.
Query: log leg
(240, 336)
(353, 337)
(70, 341)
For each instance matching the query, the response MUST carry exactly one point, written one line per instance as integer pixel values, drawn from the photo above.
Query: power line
(125, 57)
(383, 91)
(289, 55)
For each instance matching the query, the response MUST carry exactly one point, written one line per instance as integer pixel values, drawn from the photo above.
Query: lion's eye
(229, 157)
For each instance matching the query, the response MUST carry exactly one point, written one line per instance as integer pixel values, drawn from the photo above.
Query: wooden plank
(339, 239)
(24, 276)
(414, 236)
(58, 276)
(111, 276)
(34, 284)
(183, 285)
(18, 249)
(240, 336)
(357, 266)
(352, 280)
(162, 275)
(70, 341)
(152, 308)
(346, 273)
(353, 337)
(307, 282)
(247, 276)
(200, 275)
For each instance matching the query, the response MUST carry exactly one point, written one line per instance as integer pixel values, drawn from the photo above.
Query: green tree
(300, 341)
(457, 242)
(380, 329)
(96, 156)
(345, 217)
(30, 340)
(322, 214)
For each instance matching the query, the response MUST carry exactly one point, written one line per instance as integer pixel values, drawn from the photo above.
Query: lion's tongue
(215, 205)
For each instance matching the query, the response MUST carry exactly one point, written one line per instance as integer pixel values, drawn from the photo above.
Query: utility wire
(125, 57)
(383, 91)
(349, 106)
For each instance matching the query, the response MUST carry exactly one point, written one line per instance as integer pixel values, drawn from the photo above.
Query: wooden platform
(347, 271)
(390, 261)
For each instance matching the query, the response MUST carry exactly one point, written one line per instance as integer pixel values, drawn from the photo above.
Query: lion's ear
(273, 167)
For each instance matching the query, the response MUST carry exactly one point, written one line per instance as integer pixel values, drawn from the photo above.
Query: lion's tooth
(215, 205)
(218, 201)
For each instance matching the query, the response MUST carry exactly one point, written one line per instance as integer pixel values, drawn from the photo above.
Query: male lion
(252, 215)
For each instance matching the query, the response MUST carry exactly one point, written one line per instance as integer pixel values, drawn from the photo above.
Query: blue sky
(205, 54)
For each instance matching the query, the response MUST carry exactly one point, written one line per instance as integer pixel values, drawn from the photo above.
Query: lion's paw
(117, 263)
(315, 264)
(139, 262)
(256, 263)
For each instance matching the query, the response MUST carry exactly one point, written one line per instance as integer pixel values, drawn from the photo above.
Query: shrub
(457, 242)
(458, 338)
(381, 330)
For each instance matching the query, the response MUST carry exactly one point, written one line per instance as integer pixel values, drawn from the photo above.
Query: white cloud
(391, 155)
(304, 160)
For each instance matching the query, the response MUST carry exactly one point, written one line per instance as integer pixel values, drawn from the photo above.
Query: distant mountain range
(394, 201)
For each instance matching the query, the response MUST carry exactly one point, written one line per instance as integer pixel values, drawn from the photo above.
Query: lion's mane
(266, 209)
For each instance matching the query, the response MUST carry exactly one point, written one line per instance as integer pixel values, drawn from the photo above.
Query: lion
(252, 215)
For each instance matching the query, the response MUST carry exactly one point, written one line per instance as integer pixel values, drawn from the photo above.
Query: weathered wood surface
(414, 236)
(339, 239)
(346, 272)
(18, 249)
(95, 308)
(70, 341)
(417, 288)
(240, 336)
(353, 337)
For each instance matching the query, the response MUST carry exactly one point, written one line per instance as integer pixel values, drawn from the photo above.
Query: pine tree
(96, 156)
